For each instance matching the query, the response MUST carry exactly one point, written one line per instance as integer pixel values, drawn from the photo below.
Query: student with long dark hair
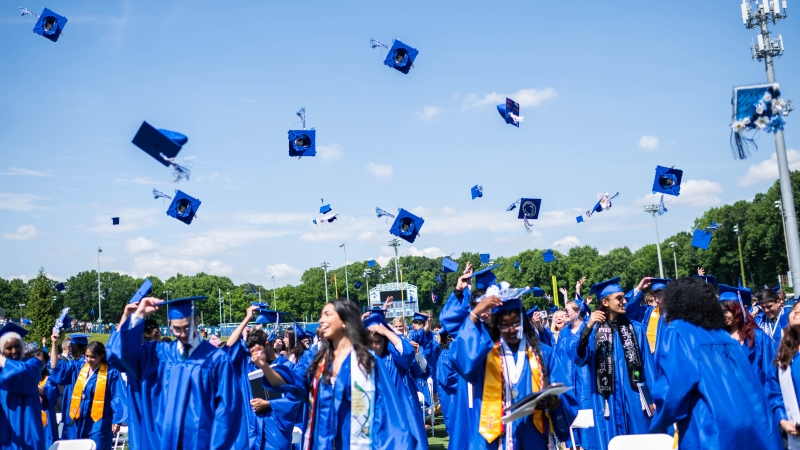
(704, 383)
(785, 379)
(757, 346)
(20, 407)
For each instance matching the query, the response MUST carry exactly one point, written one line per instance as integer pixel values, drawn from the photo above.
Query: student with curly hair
(704, 382)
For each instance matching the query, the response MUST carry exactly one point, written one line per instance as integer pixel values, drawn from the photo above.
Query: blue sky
(608, 90)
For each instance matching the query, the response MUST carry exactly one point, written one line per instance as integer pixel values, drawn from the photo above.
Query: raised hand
(463, 280)
(596, 317)
(147, 306)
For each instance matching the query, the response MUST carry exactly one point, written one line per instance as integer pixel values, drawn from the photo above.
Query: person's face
(91, 359)
(400, 326)
(377, 343)
(615, 302)
(154, 335)
(417, 325)
(559, 318)
(330, 323)
(771, 309)
(278, 345)
(794, 317)
(729, 319)
(509, 326)
(13, 349)
(658, 297)
(180, 328)
(306, 342)
(571, 314)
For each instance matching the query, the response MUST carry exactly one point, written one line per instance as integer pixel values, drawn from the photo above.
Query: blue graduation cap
(143, 291)
(530, 312)
(377, 310)
(272, 316)
(357, 284)
(476, 191)
(12, 327)
(163, 146)
(537, 291)
(60, 287)
(579, 219)
(484, 277)
(181, 308)
(302, 143)
(49, 25)
(371, 263)
(529, 210)
(516, 264)
(667, 181)
(260, 304)
(733, 293)
(66, 323)
(325, 209)
(400, 55)
(607, 287)
(448, 265)
(510, 112)
(755, 107)
(659, 284)
(375, 319)
(548, 256)
(183, 207)
(406, 226)
(484, 258)
(708, 279)
(552, 309)
(79, 338)
(115, 221)
(419, 316)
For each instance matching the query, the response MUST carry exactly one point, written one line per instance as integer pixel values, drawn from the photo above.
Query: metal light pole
(673, 244)
(766, 49)
(366, 275)
(779, 205)
(21, 305)
(230, 308)
(219, 292)
(653, 209)
(325, 266)
(396, 243)
(346, 287)
(99, 303)
(167, 292)
(741, 261)
(274, 295)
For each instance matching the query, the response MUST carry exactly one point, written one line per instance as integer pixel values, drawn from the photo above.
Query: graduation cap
(603, 203)
(330, 219)
(12, 327)
(381, 213)
(484, 277)
(448, 265)
(143, 291)
(439, 279)
(371, 263)
(49, 25)
(530, 312)
(537, 291)
(272, 316)
(400, 55)
(516, 265)
(163, 145)
(708, 279)
(60, 287)
(406, 226)
(733, 293)
(667, 181)
(659, 284)
(529, 210)
(181, 308)
(419, 317)
(357, 284)
(484, 258)
(579, 219)
(183, 207)
(325, 209)
(510, 112)
(377, 310)
(605, 288)
(375, 319)
(260, 304)
(115, 221)
(755, 108)
(548, 256)
(476, 191)
(701, 238)
(302, 142)
(79, 338)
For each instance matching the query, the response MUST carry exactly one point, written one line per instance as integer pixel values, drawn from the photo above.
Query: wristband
(473, 315)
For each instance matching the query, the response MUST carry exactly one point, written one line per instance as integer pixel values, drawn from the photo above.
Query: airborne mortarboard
(79, 338)
(302, 142)
(548, 256)
(371, 263)
(484, 258)
(484, 277)
(701, 239)
(406, 226)
(49, 25)
(357, 284)
(579, 219)
(325, 209)
(733, 293)
(163, 146)
(476, 191)
(181, 308)
(553, 309)
(755, 107)
(667, 181)
(60, 287)
(529, 210)
(400, 55)
(607, 287)
(183, 207)
(12, 327)
(516, 264)
(510, 112)
(115, 221)
(448, 265)
(143, 291)
(658, 284)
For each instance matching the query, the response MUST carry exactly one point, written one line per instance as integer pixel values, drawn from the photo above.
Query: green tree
(40, 308)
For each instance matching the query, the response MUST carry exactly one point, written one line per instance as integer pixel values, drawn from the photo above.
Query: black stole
(604, 346)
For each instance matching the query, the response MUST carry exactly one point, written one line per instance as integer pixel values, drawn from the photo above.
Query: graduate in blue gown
(615, 368)
(756, 345)
(397, 356)
(20, 407)
(505, 362)
(784, 383)
(353, 404)
(704, 382)
(199, 403)
(48, 393)
(576, 376)
(87, 417)
(446, 379)
(421, 337)
(773, 317)
(650, 316)
(77, 348)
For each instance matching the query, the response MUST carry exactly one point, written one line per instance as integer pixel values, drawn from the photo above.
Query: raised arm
(237, 333)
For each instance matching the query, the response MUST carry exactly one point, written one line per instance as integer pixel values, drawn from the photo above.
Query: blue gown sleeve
(469, 350)
(446, 374)
(64, 372)
(51, 393)
(119, 399)
(582, 358)
(454, 312)
(678, 376)
(228, 413)
(125, 351)
(21, 377)
(403, 356)
(564, 414)
(546, 336)
(633, 308)
(584, 309)
(775, 396)
(294, 384)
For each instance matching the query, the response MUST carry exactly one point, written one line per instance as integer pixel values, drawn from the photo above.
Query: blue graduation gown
(774, 394)
(761, 356)
(199, 405)
(143, 398)
(421, 376)
(626, 414)
(20, 407)
(576, 376)
(301, 370)
(332, 421)
(454, 312)
(704, 385)
(468, 354)
(49, 401)
(66, 393)
(446, 382)
(114, 409)
(777, 332)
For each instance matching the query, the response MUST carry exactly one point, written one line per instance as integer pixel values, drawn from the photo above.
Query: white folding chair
(76, 444)
(121, 439)
(297, 435)
(642, 441)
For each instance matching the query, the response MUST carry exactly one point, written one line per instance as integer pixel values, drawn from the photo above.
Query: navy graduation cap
(548, 256)
(377, 310)
(484, 277)
(12, 327)
(143, 291)
(163, 146)
(419, 317)
(357, 284)
(182, 308)
(406, 226)
(605, 288)
(659, 284)
(448, 265)
(79, 338)
(50, 25)
(708, 279)
(537, 291)
(476, 191)
(183, 207)
(302, 142)
(529, 210)
(60, 287)
(325, 209)
(734, 293)
(667, 181)
(510, 112)
(485, 258)
(115, 221)
(400, 55)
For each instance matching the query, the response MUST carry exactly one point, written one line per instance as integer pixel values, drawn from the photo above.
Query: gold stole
(492, 405)
(99, 400)
(652, 329)
(44, 413)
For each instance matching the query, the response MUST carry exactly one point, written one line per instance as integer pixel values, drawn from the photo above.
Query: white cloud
(24, 172)
(567, 242)
(24, 278)
(24, 232)
(330, 152)
(18, 202)
(139, 245)
(165, 267)
(367, 235)
(694, 193)
(525, 98)
(380, 170)
(139, 180)
(269, 218)
(430, 252)
(283, 272)
(648, 143)
(767, 170)
(247, 100)
(428, 112)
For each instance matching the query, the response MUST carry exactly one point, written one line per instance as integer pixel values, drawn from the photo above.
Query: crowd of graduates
(710, 365)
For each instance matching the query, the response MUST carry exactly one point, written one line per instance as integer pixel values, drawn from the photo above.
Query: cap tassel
(178, 170)
(741, 304)
(741, 146)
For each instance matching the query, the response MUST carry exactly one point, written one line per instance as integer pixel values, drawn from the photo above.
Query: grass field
(439, 442)
(102, 338)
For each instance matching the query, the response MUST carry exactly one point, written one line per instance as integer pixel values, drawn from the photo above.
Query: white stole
(362, 405)
(790, 403)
